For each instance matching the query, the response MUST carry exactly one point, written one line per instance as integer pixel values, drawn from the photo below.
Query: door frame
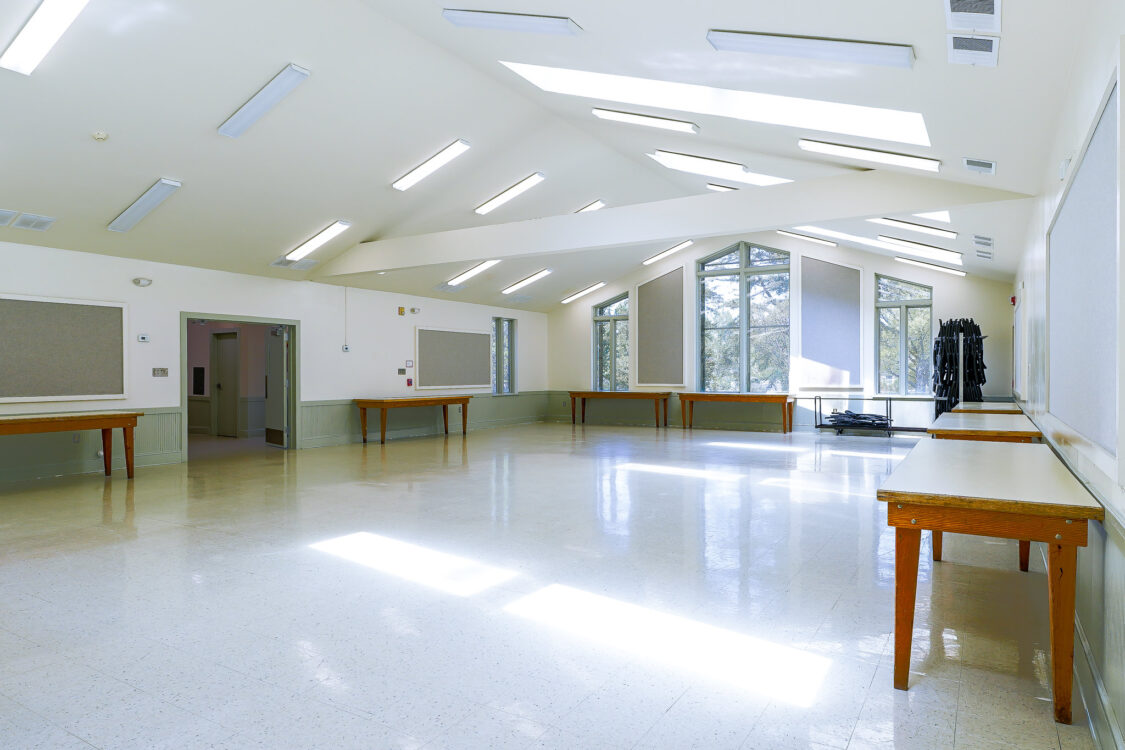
(294, 365)
(211, 374)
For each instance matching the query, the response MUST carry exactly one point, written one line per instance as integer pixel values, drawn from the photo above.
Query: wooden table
(990, 489)
(403, 401)
(986, 407)
(995, 428)
(687, 404)
(655, 396)
(105, 421)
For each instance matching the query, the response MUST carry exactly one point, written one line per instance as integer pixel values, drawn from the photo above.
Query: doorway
(239, 386)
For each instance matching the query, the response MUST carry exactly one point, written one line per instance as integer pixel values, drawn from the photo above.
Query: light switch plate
(143, 338)
(409, 363)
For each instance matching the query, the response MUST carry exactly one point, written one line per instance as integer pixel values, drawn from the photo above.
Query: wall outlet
(160, 372)
(143, 338)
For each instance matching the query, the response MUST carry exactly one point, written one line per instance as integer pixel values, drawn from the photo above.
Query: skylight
(771, 109)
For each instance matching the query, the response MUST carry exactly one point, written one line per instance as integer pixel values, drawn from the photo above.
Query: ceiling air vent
(983, 246)
(33, 222)
(982, 16)
(984, 166)
(974, 50)
(7, 216)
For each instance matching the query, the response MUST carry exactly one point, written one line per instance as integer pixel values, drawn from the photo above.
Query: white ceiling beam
(859, 194)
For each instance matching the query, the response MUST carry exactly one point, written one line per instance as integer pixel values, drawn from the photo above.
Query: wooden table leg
(1062, 563)
(363, 422)
(656, 408)
(1025, 554)
(465, 418)
(445, 417)
(690, 414)
(107, 450)
(907, 542)
(128, 451)
(583, 411)
(792, 408)
(784, 417)
(383, 425)
(935, 542)
(665, 411)
(572, 419)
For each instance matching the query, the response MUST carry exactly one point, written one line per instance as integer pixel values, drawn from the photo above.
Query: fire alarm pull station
(410, 381)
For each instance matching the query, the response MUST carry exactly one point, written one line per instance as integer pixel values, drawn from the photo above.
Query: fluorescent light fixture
(806, 238)
(769, 109)
(726, 170)
(942, 216)
(920, 228)
(931, 266)
(144, 205)
(596, 205)
(666, 253)
(487, 19)
(845, 237)
(478, 268)
(47, 24)
(290, 77)
(631, 118)
(431, 165)
(814, 48)
(868, 154)
(520, 187)
(923, 251)
(583, 293)
(529, 280)
(720, 188)
(325, 235)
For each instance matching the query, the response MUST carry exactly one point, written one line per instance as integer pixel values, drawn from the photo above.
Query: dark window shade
(831, 323)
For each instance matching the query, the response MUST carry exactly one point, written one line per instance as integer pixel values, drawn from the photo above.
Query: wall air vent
(983, 51)
(7, 216)
(984, 166)
(981, 16)
(33, 222)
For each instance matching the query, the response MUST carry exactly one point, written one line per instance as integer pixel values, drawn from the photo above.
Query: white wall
(380, 339)
(985, 300)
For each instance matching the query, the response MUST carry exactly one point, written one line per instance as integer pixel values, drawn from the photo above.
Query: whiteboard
(1082, 292)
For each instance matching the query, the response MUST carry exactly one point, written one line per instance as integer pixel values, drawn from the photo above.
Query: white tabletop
(990, 423)
(989, 476)
(69, 415)
(971, 406)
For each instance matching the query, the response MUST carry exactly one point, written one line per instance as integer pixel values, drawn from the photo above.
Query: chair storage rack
(958, 364)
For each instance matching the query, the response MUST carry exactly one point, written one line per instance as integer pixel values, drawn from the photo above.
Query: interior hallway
(541, 586)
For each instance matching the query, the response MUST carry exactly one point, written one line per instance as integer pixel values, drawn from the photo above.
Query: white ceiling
(392, 83)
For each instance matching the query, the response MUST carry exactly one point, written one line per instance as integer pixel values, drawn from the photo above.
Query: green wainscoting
(156, 441)
(708, 415)
(199, 415)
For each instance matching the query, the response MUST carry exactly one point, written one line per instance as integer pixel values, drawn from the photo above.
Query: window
(503, 355)
(611, 345)
(744, 320)
(904, 336)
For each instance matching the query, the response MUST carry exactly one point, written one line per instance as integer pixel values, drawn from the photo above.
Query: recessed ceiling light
(920, 228)
(520, 187)
(770, 109)
(290, 77)
(662, 255)
(529, 280)
(806, 238)
(942, 216)
(41, 32)
(431, 165)
(814, 48)
(487, 19)
(314, 244)
(726, 170)
(144, 205)
(931, 266)
(583, 293)
(591, 207)
(923, 251)
(720, 188)
(478, 268)
(867, 154)
(631, 118)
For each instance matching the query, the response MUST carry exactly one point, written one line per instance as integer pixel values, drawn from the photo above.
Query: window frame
(903, 345)
(744, 271)
(497, 356)
(596, 359)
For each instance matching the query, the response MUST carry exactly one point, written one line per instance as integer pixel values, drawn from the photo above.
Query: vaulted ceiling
(394, 82)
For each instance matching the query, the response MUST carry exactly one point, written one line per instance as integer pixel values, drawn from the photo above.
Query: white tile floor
(532, 587)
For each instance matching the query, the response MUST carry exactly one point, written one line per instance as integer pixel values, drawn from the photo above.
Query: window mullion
(902, 336)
